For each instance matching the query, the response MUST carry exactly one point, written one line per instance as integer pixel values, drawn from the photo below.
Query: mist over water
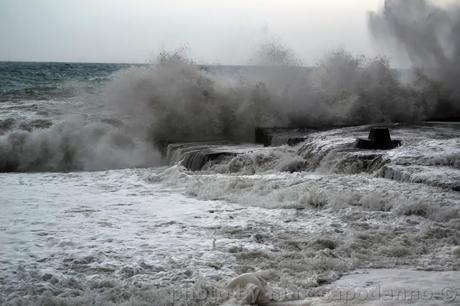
(145, 107)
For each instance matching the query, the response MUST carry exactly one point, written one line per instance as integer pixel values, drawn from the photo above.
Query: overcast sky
(215, 31)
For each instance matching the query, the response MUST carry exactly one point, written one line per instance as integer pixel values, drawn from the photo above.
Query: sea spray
(173, 100)
(430, 36)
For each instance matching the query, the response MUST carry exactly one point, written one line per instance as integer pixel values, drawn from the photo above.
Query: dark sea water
(44, 81)
(53, 80)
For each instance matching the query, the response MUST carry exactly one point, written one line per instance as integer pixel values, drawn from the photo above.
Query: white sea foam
(142, 238)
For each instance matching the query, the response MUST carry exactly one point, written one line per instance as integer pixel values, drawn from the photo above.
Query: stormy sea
(173, 183)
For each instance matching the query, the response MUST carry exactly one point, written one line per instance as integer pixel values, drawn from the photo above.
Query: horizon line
(150, 63)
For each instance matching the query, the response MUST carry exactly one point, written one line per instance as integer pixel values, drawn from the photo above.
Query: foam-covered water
(166, 235)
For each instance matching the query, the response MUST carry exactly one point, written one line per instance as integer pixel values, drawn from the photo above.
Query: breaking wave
(174, 100)
(70, 146)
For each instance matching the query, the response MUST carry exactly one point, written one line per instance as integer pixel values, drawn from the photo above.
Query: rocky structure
(379, 138)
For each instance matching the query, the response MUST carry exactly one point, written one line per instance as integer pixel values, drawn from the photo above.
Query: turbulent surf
(174, 183)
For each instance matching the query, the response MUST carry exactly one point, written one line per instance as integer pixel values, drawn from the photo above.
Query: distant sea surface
(44, 81)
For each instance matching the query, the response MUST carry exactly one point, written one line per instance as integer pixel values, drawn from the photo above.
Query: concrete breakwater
(428, 155)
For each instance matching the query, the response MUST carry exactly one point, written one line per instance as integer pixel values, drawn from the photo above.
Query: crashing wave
(175, 100)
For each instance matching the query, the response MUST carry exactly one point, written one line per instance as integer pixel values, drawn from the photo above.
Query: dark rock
(262, 136)
(195, 160)
(379, 138)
